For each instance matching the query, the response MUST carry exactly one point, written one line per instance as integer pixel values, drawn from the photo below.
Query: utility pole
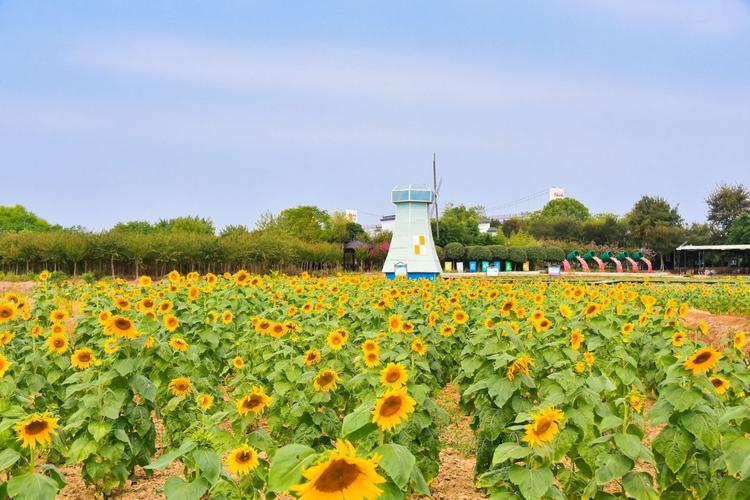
(434, 191)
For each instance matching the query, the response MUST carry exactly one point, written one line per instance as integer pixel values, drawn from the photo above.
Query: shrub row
(534, 254)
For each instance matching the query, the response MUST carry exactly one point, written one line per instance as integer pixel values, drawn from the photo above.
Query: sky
(123, 110)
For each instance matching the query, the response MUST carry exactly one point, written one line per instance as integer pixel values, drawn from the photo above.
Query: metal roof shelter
(694, 257)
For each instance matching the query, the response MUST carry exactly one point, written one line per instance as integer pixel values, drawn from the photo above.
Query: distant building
(388, 223)
(351, 215)
(556, 193)
(484, 226)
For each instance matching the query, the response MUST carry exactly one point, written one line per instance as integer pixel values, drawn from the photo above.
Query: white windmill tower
(412, 251)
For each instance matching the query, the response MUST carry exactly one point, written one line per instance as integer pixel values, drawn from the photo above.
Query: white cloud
(725, 17)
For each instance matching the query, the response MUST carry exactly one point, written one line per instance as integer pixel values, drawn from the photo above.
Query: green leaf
(397, 461)
(81, 449)
(737, 455)
(99, 429)
(682, 399)
(8, 457)
(638, 485)
(509, 451)
(610, 422)
(124, 366)
(673, 444)
(177, 488)
(420, 485)
(171, 456)
(533, 483)
(111, 408)
(31, 486)
(629, 445)
(609, 467)
(357, 419)
(144, 387)
(702, 426)
(735, 413)
(287, 465)
(209, 463)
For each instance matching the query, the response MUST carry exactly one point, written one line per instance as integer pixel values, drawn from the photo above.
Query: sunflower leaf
(31, 486)
(533, 483)
(287, 465)
(397, 461)
(177, 488)
(8, 457)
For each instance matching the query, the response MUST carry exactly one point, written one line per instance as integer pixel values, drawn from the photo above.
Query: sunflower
(149, 343)
(122, 303)
(740, 339)
(370, 345)
(336, 340)
(372, 359)
(44, 276)
(36, 330)
(520, 365)
(227, 317)
(343, 475)
(565, 311)
(144, 281)
(703, 360)
(178, 344)
(720, 384)
(636, 402)
(166, 306)
(648, 301)
(678, 339)
(6, 337)
(173, 276)
(592, 310)
(277, 330)
(171, 322)
(627, 329)
(7, 311)
(589, 357)
(121, 326)
(193, 292)
(57, 329)
(703, 327)
(4, 365)
(241, 277)
(37, 429)
(392, 408)
(460, 317)
(238, 362)
(576, 338)
(82, 358)
(312, 356)
(58, 316)
(507, 307)
(447, 330)
(205, 401)
(325, 380)
(419, 346)
(394, 323)
(393, 375)
(104, 317)
(180, 386)
(57, 343)
(544, 428)
(580, 367)
(254, 402)
(242, 460)
(111, 346)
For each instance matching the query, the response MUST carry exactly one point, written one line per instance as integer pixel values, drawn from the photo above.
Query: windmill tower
(412, 251)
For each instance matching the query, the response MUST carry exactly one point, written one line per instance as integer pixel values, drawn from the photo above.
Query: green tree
(17, 218)
(459, 224)
(134, 226)
(647, 214)
(568, 208)
(341, 229)
(739, 231)
(726, 204)
(189, 224)
(306, 222)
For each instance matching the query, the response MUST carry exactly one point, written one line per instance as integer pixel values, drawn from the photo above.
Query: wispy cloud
(723, 17)
(368, 75)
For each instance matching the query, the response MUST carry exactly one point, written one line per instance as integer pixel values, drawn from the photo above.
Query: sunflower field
(325, 387)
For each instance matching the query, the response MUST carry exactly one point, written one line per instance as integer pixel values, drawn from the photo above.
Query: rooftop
(412, 192)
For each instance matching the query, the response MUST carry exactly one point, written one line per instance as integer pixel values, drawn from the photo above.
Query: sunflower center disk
(337, 477)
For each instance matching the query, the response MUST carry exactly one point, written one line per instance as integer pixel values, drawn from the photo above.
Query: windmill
(436, 189)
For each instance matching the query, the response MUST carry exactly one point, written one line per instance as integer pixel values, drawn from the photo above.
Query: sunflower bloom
(740, 339)
(419, 346)
(336, 340)
(576, 338)
(372, 359)
(703, 360)
(180, 386)
(178, 344)
(36, 430)
(242, 460)
(312, 356)
(171, 322)
(57, 343)
(4, 365)
(720, 384)
(460, 317)
(205, 401)
(544, 428)
(255, 402)
(325, 380)
(678, 339)
(82, 358)
(392, 408)
(393, 375)
(343, 475)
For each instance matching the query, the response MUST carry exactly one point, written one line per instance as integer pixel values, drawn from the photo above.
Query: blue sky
(122, 110)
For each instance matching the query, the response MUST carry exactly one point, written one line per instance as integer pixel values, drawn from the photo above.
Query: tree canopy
(568, 208)
(725, 205)
(17, 218)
